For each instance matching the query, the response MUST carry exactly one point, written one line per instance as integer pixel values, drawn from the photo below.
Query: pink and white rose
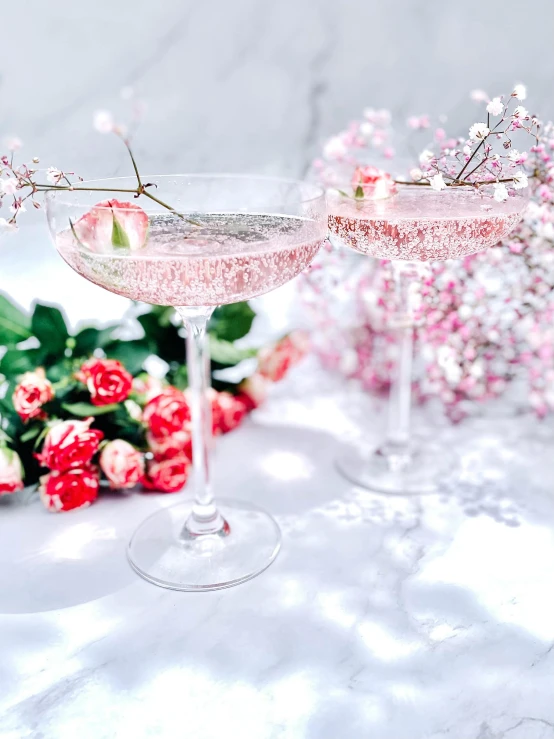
(122, 464)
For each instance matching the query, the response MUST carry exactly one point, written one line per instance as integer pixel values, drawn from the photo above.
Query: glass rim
(57, 196)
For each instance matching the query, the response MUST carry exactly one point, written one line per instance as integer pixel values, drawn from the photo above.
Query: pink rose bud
(69, 444)
(66, 491)
(32, 392)
(11, 471)
(122, 464)
(370, 182)
(107, 380)
(167, 475)
(167, 412)
(232, 410)
(253, 391)
(112, 225)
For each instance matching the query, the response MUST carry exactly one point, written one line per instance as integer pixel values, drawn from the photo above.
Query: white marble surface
(429, 618)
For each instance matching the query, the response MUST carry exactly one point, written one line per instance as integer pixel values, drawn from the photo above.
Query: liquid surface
(421, 224)
(231, 257)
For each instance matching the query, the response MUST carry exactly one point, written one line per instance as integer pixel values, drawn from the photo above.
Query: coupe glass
(229, 239)
(415, 225)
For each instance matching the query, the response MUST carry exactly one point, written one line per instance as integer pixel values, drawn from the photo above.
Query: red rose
(176, 444)
(122, 464)
(65, 491)
(32, 392)
(167, 475)
(274, 362)
(253, 391)
(69, 444)
(375, 183)
(167, 412)
(107, 380)
(11, 471)
(231, 411)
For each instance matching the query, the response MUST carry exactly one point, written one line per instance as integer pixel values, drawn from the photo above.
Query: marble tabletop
(382, 618)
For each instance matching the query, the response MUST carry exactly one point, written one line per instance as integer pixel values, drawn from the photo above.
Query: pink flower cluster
(480, 323)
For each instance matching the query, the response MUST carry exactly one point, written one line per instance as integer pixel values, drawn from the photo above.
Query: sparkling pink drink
(418, 224)
(231, 257)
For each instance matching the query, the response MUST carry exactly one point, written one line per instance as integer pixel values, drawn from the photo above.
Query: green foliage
(43, 340)
(48, 325)
(231, 322)
(131, 354)
(15, 325)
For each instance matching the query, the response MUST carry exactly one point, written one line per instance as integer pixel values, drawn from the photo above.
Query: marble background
(253, 85)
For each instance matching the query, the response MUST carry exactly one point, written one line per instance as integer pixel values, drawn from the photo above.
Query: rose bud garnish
(11, 471)
(122, 464)
(31, 393)
(110, 225)
(69, 444)
(372, 183)
(107, 380)
(66, 491)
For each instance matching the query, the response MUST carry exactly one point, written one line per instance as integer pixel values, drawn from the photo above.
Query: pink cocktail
(415, 225)
(223, 239)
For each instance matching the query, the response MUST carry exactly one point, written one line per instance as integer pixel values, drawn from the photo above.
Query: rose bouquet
(80, 413)
(481, 323)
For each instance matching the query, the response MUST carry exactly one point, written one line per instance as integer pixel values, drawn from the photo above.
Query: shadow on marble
(51, 561)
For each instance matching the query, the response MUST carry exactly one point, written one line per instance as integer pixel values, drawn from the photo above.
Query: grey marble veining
(250, 85)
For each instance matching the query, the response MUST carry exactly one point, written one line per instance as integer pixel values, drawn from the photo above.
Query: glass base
(418, 472)
(162, 551)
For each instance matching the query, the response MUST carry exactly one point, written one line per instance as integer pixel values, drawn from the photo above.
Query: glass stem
(204, 518)
(397, 446)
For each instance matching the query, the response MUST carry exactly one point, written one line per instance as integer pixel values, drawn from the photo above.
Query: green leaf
(30, 434)
(90, 339)
(48, 325)
(119, 236)
(359, 192)
(226, 353)
(231, 322)
(15, 325)
(85, 410)
(17, 361)
(131, 354)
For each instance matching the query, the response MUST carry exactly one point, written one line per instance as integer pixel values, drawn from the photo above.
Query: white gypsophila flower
(520, 112)
(8, 186)
(437, 182)
(13, 143)
(425, 157)
(513, 155)
(53, 175)
(103, 121)
(7, 226)
(366, 129)
(519, 92)
(466, 150)
(500, 192)
(478, 96)
(20, 208)
(520, 180)
(416, 174)
(478, 131)
(334, 148)
(495, 107)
